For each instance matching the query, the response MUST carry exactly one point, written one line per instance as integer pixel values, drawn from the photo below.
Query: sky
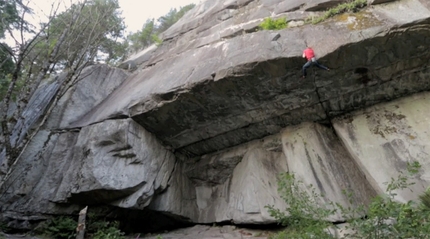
(135, 12)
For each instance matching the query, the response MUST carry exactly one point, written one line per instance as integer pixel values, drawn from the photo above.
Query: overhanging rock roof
(214, 84)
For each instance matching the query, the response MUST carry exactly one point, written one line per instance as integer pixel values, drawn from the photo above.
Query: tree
(142, 39)
(97, 32)
(10, 15)
(384, 217)
(172, 17)
(151, 29)
(6, 68)
(87, 32)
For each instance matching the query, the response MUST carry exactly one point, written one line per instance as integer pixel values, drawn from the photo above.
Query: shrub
(305, 218)
(388, 218)
(65, 227)
(425, 199)
(156, 39)
(60, 228)
(385, 217)
(109, 230)
(352, 6)
(99, 228)
(271, 24)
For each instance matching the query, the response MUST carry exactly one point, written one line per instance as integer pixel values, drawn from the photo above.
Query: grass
(273, 24)
(353, 6)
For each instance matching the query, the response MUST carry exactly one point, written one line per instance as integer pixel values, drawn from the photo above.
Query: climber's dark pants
(310, 63)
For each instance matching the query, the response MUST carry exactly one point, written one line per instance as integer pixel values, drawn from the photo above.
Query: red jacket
(308, 53)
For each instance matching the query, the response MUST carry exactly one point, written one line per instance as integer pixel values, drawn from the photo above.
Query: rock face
(384, 138)
(317, 156)
(202, 126)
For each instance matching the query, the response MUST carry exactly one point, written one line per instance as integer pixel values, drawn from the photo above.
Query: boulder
(120, 164)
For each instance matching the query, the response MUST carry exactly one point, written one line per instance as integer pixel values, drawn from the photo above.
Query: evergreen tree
(151, 29)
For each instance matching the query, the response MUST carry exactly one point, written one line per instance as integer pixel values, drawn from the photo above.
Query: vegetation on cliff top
(151, 29)
(352, 6)
(273, 24)
(281, 23)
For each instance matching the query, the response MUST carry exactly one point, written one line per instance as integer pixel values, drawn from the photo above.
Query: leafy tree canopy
(152, 28)
(6, 68)
(89, 31)
(98, 29)
(8, 15)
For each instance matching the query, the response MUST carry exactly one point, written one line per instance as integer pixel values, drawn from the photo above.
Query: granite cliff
(198, 129)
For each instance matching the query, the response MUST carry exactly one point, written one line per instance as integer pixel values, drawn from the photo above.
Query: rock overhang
(258, 99)
(209, 94)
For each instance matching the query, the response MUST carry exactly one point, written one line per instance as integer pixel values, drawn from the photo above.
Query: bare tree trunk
(80, 230)
(63, 50)
(14, 149)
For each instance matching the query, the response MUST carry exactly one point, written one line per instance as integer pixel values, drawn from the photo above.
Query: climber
(309, 54)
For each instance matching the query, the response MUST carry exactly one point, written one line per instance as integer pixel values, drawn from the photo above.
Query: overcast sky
(135, 12)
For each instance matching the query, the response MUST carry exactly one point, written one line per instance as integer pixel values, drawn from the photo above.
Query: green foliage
(7, 66)
(385, 217)
(10, 15)
(142, 39)
(273, 24)
(388, 218)
(304, 217)
(4, 81)
(156, 39)
(425, 199)
(60, 228)
(352, 6)
(108, 230)
(151, 29)
(172, 17)
(99, 228)
(4, 85)
(65, 227)
(94, 37)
